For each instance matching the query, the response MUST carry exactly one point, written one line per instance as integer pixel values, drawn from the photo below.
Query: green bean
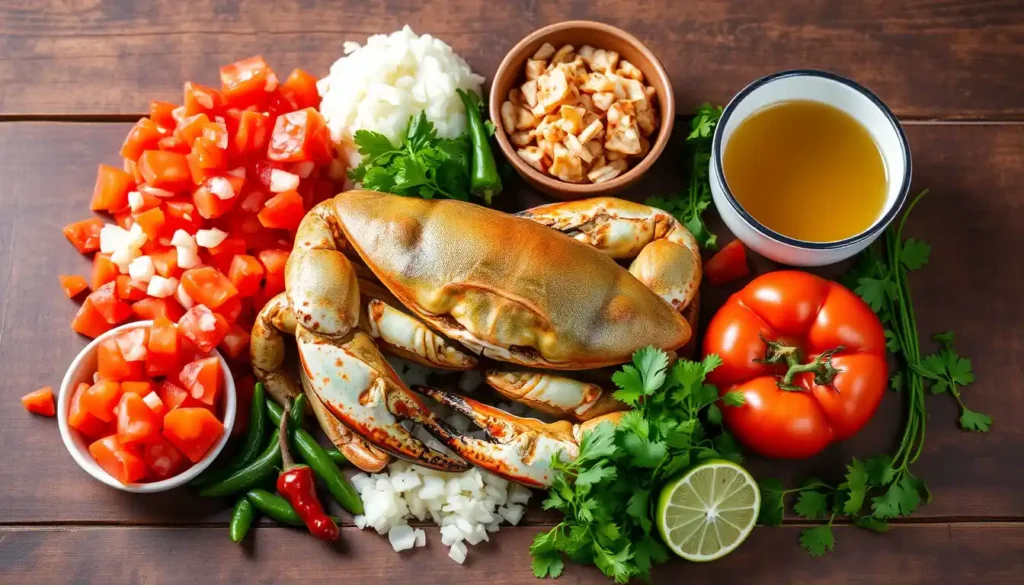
(274, 506)
(256, 472)
(250, 448)
(316, 457)
(241, 519)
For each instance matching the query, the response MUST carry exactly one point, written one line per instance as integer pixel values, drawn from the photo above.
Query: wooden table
(75, 74)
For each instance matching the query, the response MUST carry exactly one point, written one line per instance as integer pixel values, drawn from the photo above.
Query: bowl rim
(81, 457)
(871, 232)
(666, 111)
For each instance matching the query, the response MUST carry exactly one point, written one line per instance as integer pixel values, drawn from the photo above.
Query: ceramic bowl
(841, 93)
(577, 33)
(82, 369)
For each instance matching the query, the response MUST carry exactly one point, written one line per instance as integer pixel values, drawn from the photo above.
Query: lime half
(709, 511)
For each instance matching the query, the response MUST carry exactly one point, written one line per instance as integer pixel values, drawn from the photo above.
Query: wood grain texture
(971, 220)
(930, 58)
(928, 554)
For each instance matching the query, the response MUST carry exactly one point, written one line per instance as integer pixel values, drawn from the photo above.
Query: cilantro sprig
(606, 491)
(880, 488)
(689, 207)
(423, 165)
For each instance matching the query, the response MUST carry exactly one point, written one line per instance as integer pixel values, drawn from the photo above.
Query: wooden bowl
(511, 73)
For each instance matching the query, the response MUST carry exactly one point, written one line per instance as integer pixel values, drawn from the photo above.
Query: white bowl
(81, 370)
(841, 93)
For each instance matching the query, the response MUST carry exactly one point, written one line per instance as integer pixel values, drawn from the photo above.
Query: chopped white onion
(458, 552)
(236, 172)
(136, 237)
(402, 537)
(141, 269)
(161, 287)
(183, 239)
(123, 258)
(272, 82)
(221, 187)
(210, 238)
(182, 297)
(188, 258)
(421, 537)
(153, 401)
(207, 322)
(155, 191)
(135, 201)
(281, 181)
(112, 238)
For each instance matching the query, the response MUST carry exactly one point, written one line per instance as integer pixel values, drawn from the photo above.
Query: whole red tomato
(807, 354)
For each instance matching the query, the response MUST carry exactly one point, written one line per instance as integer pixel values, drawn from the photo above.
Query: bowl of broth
(808, 168)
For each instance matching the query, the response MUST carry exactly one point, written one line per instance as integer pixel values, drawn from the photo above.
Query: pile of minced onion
(381, 85)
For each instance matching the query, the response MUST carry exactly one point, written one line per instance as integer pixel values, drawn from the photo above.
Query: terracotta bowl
(511, 73)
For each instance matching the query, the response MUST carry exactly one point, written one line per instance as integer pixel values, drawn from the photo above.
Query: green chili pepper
(256, 472)
(250, 448)
(298, 410)
(484, 179)
(337, 456)
(274, 507)
(241, 519)
(316, 457)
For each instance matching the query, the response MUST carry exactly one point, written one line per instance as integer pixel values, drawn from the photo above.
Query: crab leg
(665, 255)
(268, 356)
(555, 395)
(519, 449)
(344, 368)
(407, 337)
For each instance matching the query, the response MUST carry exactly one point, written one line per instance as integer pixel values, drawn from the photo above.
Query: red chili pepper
(298, 485)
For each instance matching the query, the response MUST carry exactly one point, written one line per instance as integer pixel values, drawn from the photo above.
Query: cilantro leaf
(714, 415)
(772, 507)
(728, 448)
(614, 564)
(544, 550)
(648, 553)
(902, 498)
(974, 421)
(595, 475)
(897, 381)
(876, 293)
(372, 144)
(879, 469)
(892, 342)
(645, 453)
(931, 366)
(914, 253)
(856, 486)
(959, 368)
(630, 383)
(946, 338)
(652, 363)
(596, 443)
(811, 505)
(733, 398)
(818, 540)
(378, 179)
(871, 523)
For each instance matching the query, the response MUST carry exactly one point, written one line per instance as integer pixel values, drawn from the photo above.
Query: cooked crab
(444, 282)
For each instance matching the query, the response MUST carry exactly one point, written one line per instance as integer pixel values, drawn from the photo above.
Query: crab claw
(519, 449)
(555, 395)
(354, 382)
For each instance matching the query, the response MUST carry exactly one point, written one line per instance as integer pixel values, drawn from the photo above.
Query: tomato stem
(789, 355)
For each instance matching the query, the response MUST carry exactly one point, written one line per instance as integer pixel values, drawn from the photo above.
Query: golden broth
(806, 170)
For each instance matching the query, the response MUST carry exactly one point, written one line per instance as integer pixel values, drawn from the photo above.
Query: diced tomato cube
(163, 356)
(165, 262)
(202, 379)
(82, 420)
(141, 387)
(151, 221)
(172, 395)
(192, 430)
(133, 343)
(136, 422)
(161, 113)
(261, 171)
(245, 273)
(89, 321)
(283, 211)
(181, 214)
(104, 299)
(121, 461)
(273, 262)
(201, 99)
(124, 219)
(300, 90)
(727, 265)
(113, 366)
(144, 135)
(155, 404)
(209, 205)
(152, 308)
(236, 343)
(72, 284)
(230, 310)
(300, 136)
(40, 402)
(173, 144)
(207, 286)
(247, 82)
(111, 190)
(252, 134)
(100, 399)
(165, 170)
(163, 459)
(204, 328)
(84, 235)
(128, 289)
(230, 247)
(191, 128)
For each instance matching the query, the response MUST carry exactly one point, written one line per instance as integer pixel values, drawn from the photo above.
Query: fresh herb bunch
(688, 208)
(883, 487)
(607, 492)
(424, 165)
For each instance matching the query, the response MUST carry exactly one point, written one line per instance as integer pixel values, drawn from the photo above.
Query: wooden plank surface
(928, 59)
(971, 221)
(924, 554)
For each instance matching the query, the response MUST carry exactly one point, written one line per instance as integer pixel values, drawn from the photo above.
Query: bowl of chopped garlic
(581, 109)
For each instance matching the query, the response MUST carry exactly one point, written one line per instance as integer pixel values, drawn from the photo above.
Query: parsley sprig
(880, 488)
(689, 207)
(423, 165)
(606, 492)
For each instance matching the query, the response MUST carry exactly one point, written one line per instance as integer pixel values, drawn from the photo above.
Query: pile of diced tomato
(204, 211)
(154, 406)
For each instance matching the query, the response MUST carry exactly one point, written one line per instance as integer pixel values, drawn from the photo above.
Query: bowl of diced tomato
(143, 411)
